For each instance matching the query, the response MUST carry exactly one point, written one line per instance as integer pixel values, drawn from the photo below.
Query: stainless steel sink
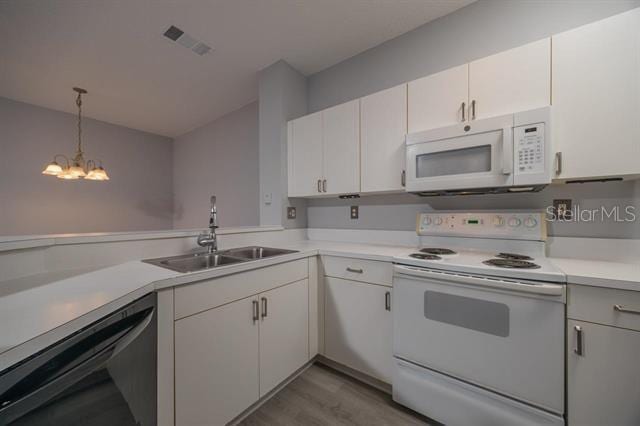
(256, 252)
(195, 262)
(200, 261)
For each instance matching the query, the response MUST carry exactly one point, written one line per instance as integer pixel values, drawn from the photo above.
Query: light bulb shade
(77, 171)
(53, 169)
(97, 173)
(66, 174)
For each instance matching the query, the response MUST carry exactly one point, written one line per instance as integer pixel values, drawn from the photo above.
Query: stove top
(500, 244)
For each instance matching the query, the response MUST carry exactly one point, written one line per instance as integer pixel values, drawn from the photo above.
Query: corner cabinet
(596, 99)
(324, 152)
(603, 343)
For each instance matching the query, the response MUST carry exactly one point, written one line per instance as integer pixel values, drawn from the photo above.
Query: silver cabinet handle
(264, 307)
(354, 270)
(558, 163)
(324, 185)
(473, 109)
(387, 301)
(622, 309)
(319, 185)
(403, 178)
(579, 349)
(464, 106)
(256, 314)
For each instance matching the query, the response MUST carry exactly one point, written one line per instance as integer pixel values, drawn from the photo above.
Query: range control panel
(503, 224)
(529, 147)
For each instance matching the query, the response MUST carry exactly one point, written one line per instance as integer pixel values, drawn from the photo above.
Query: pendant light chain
(79, 103)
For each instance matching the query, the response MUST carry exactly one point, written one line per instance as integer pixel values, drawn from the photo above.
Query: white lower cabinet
(216, 364)
(603, 384)
(358, 325)
(284, 333)
(228, 357)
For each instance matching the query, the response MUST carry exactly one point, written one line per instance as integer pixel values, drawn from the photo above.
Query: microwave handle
(507, 150)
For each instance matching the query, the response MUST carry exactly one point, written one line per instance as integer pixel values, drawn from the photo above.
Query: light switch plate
(267, 198)
(354, 212)
(291, 212)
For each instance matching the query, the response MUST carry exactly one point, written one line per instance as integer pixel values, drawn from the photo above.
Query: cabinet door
(383, 127)
(284, 333)
(514, 80)
(341, 141)
(358, 326)
(305, 155)
(596, 98)
(603, 385)
(216, 364)
(437, 100)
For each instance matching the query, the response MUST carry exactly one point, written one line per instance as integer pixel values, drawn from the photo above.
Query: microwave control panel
(529, 148)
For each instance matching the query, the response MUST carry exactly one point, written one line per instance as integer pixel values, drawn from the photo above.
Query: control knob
(514, 222)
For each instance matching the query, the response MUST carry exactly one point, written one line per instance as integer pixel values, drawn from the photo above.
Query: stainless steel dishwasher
(104, 374)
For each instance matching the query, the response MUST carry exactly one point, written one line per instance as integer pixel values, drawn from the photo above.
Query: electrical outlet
(562, 209)
(291, 212)
(354, 212)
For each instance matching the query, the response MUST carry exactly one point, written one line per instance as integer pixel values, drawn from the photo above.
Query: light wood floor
(323, 396)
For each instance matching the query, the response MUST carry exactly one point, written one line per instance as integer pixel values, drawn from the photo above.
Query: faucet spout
(210, 239)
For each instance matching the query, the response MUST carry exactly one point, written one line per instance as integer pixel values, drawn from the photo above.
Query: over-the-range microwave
(509, 153)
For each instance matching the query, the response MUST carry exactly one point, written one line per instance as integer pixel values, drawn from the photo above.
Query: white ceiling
(140, 79)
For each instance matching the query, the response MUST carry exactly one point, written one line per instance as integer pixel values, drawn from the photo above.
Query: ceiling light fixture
(77, 167)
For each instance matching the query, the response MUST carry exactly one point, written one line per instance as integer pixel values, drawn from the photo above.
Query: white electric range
(478, 321)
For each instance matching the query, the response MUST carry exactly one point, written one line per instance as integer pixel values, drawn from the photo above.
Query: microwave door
(479, 160)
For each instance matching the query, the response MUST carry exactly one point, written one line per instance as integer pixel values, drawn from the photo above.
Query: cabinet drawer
(596, 304)
(370, 271)
(198, 297)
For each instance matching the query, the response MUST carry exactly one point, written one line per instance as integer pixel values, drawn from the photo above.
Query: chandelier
(76, 167)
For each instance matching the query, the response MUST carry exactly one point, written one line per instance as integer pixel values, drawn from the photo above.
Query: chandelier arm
(66, 159)
(79, 103)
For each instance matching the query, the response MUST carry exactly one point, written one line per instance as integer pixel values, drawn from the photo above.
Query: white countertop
(38, 310)
(598, 273)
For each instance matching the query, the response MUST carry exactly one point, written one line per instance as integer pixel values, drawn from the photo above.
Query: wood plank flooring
(323, 396)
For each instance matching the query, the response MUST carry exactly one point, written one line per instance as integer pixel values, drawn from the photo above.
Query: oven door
(505, 336)
(453, 158)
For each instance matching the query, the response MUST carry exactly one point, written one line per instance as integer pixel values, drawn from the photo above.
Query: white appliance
(510, 153)
(478, 321)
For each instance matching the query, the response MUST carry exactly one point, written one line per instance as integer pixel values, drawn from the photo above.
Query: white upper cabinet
(324, 152)
(596, 98)
(514, 80)
(305, 155)
(341, 149)
(383, 126)
(438, 100)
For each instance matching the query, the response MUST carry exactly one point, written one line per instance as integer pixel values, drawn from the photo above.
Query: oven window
(475, 314)
(455, 162)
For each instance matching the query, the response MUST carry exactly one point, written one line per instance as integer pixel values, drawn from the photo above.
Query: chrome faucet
(210, 239)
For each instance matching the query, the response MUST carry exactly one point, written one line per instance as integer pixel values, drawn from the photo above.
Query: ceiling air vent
(174, 33)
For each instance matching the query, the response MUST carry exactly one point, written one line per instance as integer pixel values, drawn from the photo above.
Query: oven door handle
(537, 288)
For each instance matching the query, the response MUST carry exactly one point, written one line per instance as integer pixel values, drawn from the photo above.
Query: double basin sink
(200, 261)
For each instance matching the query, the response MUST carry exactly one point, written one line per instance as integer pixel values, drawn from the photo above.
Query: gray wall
(282, 97)
(220, 158)
(480, 29)
(138, 196)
